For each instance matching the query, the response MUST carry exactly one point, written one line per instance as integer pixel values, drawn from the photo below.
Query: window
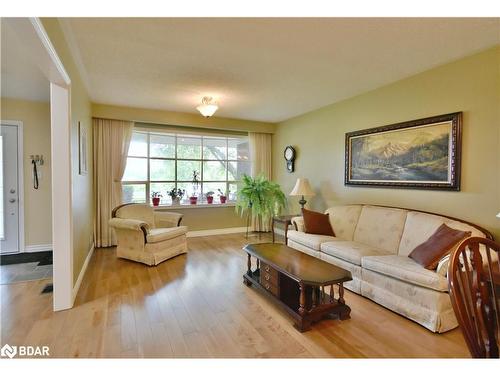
(159, 162)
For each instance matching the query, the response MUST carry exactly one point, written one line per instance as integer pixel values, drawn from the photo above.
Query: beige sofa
(373, 242)
(147, 236)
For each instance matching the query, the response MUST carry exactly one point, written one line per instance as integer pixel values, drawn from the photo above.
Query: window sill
(163, 207)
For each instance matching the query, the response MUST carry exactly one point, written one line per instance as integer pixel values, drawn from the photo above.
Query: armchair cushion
(131, 224)
(162, 234)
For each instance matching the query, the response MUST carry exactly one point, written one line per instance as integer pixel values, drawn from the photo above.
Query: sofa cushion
(420, 226)
(162, 234)
(437, 246)
(350, 251)
(380, 227)
(312, 241)
(317, 223)
(344, 219)
(405, 269)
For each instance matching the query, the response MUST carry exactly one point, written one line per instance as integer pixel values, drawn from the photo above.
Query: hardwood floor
(196, 305)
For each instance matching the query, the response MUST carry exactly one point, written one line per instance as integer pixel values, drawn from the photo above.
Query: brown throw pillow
(437, 246)
(317, 223)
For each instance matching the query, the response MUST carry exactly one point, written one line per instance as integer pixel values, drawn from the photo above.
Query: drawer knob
(267, 268)
(267, 286)
(267, 277)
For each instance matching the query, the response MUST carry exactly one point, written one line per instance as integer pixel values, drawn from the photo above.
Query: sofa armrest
(130, 224)
(442, 268)
(164, 219)
(298, 223)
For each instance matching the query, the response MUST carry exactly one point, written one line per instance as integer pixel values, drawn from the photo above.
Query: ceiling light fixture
(208, 106)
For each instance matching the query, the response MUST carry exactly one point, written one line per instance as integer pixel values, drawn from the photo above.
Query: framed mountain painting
(418, 154)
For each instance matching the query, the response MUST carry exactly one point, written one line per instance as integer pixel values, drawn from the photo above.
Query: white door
(9, 185)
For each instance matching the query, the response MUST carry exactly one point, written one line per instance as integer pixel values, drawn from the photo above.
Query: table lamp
(302, 188)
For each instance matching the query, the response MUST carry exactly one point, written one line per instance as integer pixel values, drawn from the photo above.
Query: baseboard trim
(76, 287)
(214, 232)
(38, 248)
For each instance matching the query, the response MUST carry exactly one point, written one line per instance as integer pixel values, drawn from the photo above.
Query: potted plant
(210, 197)
(261, 198)
(155, 197)
(193, 199)
(222, 196)
(176, 195)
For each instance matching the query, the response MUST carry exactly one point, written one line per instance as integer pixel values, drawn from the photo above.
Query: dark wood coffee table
(297, 282)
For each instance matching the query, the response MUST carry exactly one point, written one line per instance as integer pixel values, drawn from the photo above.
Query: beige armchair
(148, 236)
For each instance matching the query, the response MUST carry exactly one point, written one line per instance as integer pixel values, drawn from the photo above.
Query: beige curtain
(260, 154)
(111, 143)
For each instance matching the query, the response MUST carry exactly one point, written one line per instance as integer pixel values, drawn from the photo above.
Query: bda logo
(8, 351)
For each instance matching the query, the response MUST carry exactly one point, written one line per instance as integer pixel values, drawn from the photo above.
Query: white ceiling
(21, 77)
(261, 68)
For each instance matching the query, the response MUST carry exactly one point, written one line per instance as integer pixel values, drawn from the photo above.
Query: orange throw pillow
(317, 223)
(444, 239)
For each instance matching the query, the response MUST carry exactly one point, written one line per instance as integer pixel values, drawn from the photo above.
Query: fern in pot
(260, 198)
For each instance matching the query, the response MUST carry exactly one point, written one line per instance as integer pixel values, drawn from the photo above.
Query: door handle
(12, 200)
(12, 191)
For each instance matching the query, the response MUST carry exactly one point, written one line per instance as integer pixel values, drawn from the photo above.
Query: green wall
(471, 85)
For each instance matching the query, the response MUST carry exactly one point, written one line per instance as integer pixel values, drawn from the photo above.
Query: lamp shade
(302, 187)
(207, 107)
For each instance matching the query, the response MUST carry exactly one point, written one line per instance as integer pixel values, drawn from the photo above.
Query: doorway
(11, 185)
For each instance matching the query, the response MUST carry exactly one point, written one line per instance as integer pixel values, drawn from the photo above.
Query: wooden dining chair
(474, 286)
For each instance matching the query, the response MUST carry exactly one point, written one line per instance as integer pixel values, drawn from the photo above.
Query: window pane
(185, 169)
(161, 170)
(214, 171)
(237, 169)
(135, 193)
(238, 149)
(214, 186)
(162, 146)
(233, 189)
(214, 148)
(136, 170)
(163, 189)
(188, 147)
(138, 145)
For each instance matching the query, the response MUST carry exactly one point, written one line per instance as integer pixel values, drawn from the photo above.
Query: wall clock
(289, 155)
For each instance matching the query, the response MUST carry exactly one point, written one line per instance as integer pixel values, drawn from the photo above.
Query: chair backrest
(137, 211)
(474, 285)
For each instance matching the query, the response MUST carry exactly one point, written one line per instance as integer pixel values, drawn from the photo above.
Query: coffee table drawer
(268, 275)
(270, 287)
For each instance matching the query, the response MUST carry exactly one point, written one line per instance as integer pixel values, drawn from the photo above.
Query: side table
(285, 220)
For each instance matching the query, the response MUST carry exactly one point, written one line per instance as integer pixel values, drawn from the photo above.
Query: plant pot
(223, 198)
(176, 201)
(210, 199)
(156, 201)
(193, 200)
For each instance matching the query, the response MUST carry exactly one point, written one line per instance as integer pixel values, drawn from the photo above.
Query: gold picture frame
(418, 154)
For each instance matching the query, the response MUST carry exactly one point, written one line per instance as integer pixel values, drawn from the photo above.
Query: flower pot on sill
(176, 201)
(223, 198)
(210, 199)
(193, 200)
(156, 201)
